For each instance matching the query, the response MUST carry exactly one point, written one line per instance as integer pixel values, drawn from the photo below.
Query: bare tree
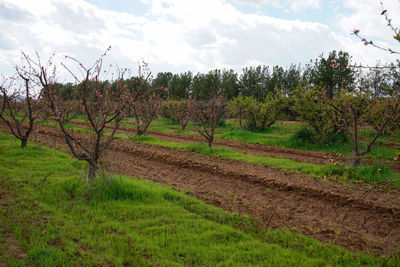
(20, 104)
(103, 102)
(205, 115)
(144, 99)
(144, 110)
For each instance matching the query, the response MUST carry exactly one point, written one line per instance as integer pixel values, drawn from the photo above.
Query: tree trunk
(139, 131)
(92, 170)
(24, 141)
(210, 140)
(355, 159)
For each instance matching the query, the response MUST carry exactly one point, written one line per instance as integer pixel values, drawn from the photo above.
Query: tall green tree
(333, 72)
(180, 85)
(253, 81)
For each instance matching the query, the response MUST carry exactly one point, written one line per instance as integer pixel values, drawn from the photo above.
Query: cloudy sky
(196, 35)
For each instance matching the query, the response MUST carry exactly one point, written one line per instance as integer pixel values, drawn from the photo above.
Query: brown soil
(254, 149)
(360, 219)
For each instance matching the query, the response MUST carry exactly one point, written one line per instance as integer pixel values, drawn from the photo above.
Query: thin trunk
(92, 170)
(355, 150)
(210, 140)
(24, 141)
(355, 154)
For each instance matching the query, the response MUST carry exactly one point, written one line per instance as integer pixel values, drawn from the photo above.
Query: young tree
(238, 108)
(144, 99)
(313, 110)
(144, 109)
(359, 108)
(205, 114)
(101, 101)
(254, 114)
(177, 111)
(20, 104)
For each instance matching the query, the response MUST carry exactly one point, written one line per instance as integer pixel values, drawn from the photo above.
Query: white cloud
(179, 35)
(284, 4)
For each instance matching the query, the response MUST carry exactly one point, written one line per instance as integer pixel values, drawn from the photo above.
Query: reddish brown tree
(21, 104)
(205, 115)
(145, 100)
(103, 102)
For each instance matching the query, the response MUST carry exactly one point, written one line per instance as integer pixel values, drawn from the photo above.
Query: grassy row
(366, 173)
(60, 220)
(231, 131)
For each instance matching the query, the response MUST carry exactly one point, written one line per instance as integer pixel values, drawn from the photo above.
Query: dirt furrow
(249, 148)
(320, 213)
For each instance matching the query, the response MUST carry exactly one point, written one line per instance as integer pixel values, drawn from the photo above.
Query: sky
(195, 35)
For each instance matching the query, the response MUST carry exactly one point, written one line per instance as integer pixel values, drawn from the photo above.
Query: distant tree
(254, 114)
(254, 82)
(162, 80)
(291, 81)
(230, 83)
(180, 85)
(376, 80)
(360, 107)
(177, 111)
(311, 109)
(206, 113)
(206, 85)
(20, 103)
(276, 83)
(332, 73)
(144, 108)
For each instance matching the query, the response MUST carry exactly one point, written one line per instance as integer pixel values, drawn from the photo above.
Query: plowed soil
(360, 219)
(254, 149)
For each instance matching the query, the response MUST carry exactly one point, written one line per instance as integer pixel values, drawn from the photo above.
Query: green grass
(232, 132)
(227, 153)
(63, 221)
(365, 173)
(330, 147)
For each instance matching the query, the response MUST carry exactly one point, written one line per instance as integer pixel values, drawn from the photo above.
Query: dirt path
(351, 218)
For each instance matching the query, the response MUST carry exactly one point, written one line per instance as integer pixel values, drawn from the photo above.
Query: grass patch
(300, 140)
(365, 173)
(122, 221)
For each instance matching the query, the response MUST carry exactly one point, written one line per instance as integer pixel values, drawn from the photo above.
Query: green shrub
(340, 137)
(255, 115)
(304, 135)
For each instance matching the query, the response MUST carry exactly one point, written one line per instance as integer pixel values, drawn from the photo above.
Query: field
(275, 199)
